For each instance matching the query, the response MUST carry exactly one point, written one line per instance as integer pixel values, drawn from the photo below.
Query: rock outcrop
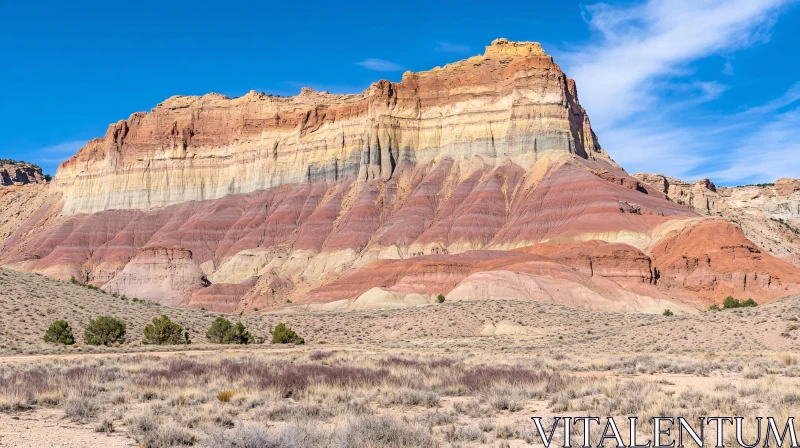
(19, 173)
(768, 214)
(480, 179)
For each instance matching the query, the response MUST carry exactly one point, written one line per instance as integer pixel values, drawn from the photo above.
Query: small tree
(104, 330)
(219, 328)
(285, 335)
(237, 334)
(163, 331)
(440, 298)
(668, 312)
(730, 302)
(749, 303)
(59, 332)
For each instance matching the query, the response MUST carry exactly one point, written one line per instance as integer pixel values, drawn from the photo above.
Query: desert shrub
(730, 302)
(714, 307)
(222, 332)
(383, 431)
(163, 331)
(219, 328)
(440, 298)
(237, 335)
(59, 332)
(106, 426)
(80, 409)
(282, 334)
(104, 330)
(226, 395)
(156, 431)
(668, 312)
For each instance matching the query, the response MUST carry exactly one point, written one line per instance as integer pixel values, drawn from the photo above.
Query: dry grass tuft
(226, 395)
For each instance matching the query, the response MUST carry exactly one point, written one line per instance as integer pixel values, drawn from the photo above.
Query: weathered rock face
(481, 179)
(511, 104)
(19, 173)
(768, 214)
(700, 196)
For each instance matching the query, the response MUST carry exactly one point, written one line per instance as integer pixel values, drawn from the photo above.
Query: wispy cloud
(635, 79)
(449, 47)
(380, 65)
(49, 157)
(640, 45)
(767, 153)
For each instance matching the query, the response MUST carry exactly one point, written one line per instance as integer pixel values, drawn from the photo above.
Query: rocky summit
(19, 173)
(478, 180)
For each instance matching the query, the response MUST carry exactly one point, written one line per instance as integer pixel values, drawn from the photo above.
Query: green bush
(440, 298)
(714, 307)
(730, 302)
(163, 331)
(104, 330)
(59, 332)
(285, 335)
(222, 332)
(668, 312)
(219, 328)
(237, 335)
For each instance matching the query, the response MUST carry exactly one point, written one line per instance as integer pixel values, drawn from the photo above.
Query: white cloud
(448, 47)
(635, 80)
(379, 65)
(637, 46)
(67, 149)
(768, 153)
(49, 157)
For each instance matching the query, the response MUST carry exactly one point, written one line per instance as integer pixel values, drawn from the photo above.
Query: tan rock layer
(431, 185)
(512, 103)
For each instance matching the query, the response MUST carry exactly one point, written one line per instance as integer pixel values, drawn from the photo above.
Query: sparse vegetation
(59, 332)
(668, 312)
(731, 302)
(282, 334)
(786, 224)
(440, 298)
(105, 330)
(163, 331)
(222, 332)
(237, 335)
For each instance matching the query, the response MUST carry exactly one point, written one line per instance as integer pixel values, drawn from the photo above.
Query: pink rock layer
(478, 180)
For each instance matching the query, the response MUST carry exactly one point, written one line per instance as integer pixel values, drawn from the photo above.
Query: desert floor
(450, 374)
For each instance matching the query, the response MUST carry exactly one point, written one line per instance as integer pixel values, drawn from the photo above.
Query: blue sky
(688, 88)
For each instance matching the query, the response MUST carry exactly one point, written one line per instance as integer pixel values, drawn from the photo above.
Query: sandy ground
(48, 428)
(735, 359)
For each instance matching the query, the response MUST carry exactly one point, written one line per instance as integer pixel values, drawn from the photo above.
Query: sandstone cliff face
(481, 179)
(19, 173)
(512, 103)
(700, 195)
(769, 215)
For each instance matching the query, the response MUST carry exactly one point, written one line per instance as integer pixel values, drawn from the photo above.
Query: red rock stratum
(479, 180)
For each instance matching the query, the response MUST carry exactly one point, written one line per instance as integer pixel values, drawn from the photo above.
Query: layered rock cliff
(768, 214)
(481, 179)
(512, 103)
